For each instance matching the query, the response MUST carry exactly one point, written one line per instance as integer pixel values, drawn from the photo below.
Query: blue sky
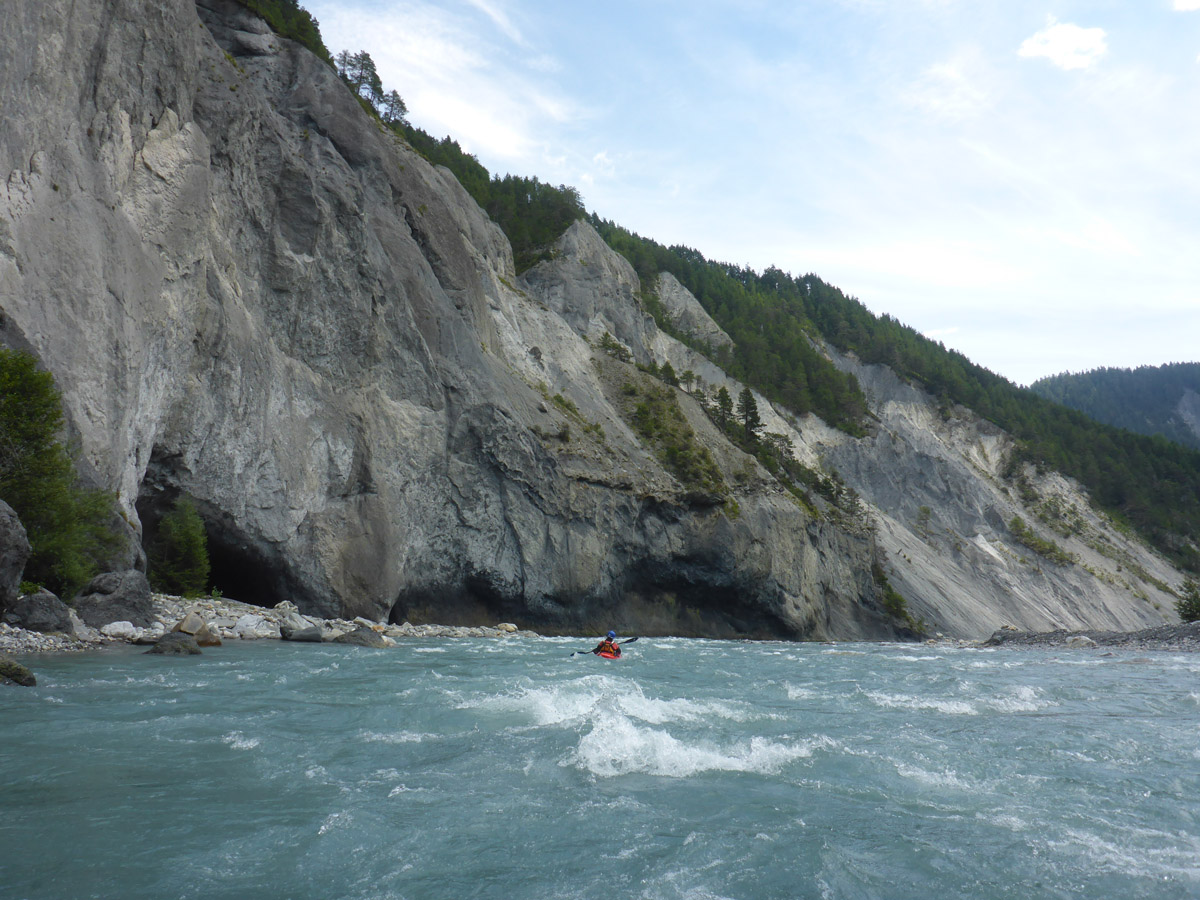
(1020, 180)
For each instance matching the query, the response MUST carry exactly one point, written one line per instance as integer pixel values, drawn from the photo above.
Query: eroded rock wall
(252, 293)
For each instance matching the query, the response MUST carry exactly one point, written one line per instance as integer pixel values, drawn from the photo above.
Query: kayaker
(609, 645)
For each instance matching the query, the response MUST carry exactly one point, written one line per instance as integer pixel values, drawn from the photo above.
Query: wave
(583, 698)
(239, 741)
(617, 746)
(1020, 699)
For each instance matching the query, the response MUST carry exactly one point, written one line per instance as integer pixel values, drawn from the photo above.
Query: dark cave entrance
(239, 567)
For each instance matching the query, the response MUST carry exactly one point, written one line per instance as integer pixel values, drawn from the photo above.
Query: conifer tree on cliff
(748, 413)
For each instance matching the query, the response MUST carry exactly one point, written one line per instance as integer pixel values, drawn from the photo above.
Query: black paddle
(619, 644)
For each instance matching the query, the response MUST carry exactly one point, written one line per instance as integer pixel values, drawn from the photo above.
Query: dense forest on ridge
(1145, 399)
(777, 321)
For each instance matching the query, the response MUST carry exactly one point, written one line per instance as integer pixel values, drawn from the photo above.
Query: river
(487, 768)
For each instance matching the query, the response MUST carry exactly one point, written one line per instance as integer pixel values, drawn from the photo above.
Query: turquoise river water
(689, 769)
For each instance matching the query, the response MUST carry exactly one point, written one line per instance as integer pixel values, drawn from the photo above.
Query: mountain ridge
(255, 295)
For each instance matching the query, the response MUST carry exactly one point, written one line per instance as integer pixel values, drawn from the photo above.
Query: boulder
(176, 643)
(116, 597)
(150, 635)
(252, 626)
(12, 672)
(189, 624)
(362, 637)
(40, 611)
(14, 552)
(507, 627)
(306, 633)
(207, 636)
(122, 631)
(81, 629)
(1081, 641)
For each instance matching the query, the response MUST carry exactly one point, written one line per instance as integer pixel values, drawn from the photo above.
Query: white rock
(125, 631)
(252, 627)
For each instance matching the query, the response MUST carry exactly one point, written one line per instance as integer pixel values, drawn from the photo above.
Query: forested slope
(1150, 400)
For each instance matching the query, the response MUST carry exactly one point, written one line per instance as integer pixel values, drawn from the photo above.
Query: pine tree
(724, 406)
(71, 528)
(179, 553)
(748, 413)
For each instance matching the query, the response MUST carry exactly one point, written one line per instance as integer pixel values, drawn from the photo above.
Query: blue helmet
(611, 635)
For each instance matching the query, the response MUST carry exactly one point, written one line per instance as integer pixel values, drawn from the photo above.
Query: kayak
(607, 655)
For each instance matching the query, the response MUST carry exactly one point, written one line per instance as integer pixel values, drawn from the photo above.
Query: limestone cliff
(252, 293)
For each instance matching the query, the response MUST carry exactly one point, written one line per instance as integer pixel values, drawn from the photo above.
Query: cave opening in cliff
(476, 601)
(237, 567)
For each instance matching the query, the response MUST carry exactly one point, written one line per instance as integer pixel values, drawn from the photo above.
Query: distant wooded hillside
(1161, 400)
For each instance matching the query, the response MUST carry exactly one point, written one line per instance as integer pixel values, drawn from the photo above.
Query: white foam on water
(429, 650)
(618, 746)
(396, 737)
(581, 699)
(1141, 852)
(1020, 699)
(1004, 820)
(239, 741)
(947, 778)
(334, 820)
(936, 704)
(799, 692)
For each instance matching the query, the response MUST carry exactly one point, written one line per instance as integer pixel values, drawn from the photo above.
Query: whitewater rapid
(687, 769)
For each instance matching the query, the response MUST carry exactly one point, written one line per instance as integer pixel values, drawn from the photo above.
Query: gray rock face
(321, 339)
(40, 611)
(14, 553)
(1189, 411)
(116, 597)
(687, 315)
(934, 482)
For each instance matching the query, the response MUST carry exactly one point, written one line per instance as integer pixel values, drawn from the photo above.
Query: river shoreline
(231, 620)
(1183, 638)
(227, 615)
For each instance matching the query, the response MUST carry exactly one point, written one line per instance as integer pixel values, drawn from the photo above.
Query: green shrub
(178, 555)
(1039, 545)
(72, 529)
(1188, 605)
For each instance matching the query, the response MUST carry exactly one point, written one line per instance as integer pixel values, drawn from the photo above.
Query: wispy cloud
(1067, 46)
(500, 19)
(1187, 5)
(456, 77)
(948, 90)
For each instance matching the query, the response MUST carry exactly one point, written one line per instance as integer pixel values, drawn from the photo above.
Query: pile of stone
(1175, 638)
